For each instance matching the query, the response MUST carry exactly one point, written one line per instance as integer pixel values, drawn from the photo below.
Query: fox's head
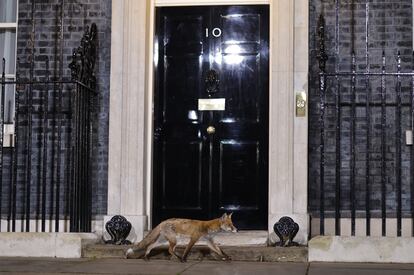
(226, 223)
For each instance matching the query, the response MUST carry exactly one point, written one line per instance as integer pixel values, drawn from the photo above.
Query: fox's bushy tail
(149, 239)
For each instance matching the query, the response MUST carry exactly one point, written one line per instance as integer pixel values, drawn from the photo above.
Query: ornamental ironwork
(322, 56)
(118, 228)
(84, 57)
(286, 229)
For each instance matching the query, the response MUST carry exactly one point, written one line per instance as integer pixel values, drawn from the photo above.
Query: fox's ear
(230, 215)
(224, 216)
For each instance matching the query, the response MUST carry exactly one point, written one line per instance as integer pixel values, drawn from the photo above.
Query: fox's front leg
(193, 240)
(217, 249)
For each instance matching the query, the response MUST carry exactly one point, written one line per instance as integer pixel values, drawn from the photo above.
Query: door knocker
(212, 82)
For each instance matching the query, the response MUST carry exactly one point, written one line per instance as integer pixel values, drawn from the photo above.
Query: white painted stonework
(361, 249)
(131, 94)
(59, 245)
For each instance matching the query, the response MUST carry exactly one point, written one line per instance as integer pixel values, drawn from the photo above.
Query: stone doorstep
(240, 246)
(241, 238)
(201, 252)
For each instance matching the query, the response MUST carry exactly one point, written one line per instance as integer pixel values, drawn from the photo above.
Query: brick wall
(77, 14)
(390, 30)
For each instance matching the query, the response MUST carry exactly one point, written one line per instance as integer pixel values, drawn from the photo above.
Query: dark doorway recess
(212, 161)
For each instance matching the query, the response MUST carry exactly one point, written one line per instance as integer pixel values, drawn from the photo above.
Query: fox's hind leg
(171, 237)
(150, 247)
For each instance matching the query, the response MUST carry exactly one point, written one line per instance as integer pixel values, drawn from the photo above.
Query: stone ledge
(59, 245)
(242, 238)
(361, 249)
(200, 252)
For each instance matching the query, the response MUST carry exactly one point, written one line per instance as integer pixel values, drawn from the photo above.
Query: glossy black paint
(196, 174)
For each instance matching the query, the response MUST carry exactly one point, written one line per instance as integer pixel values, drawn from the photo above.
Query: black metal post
(69, 165)
(398, 146)
(45, 103)
(3, 93)
(412, 147)
(322, 87)
(10, 195)
(383, 147)
(79, 157)
(368, 122)
(29, 107)
(82, 161)
(59, 143)
(353, 118)
(89, 166)
(15, 149)
(74, 162)
(352, 142)
(54, 164)
(338, 127)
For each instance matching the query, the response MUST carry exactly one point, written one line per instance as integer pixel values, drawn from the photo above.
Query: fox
(195, 229)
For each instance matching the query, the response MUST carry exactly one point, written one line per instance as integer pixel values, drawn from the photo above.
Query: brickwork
(77, 15)
(390, 30)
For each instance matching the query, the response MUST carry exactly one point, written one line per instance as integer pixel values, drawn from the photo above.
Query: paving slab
(36, 266)
(91, 266)
(246, 268)
(360, 269)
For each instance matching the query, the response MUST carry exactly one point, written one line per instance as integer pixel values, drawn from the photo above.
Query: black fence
(45, 167)
(366, 124)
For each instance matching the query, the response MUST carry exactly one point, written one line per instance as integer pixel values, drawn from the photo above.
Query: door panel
(241, 27)
(200, 174)
(241, 90)
(183, 174)
(236, 183)
(179, 100)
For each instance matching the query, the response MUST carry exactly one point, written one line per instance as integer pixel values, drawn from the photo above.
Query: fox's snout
(227, 224)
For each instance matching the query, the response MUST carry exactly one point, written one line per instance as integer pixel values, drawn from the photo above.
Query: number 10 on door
(216, 32)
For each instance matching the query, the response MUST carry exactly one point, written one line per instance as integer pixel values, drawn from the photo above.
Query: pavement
(160, 267)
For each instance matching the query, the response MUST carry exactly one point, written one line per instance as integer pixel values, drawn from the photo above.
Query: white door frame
(130, 129)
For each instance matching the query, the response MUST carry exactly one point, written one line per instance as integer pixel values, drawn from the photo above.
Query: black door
(210, 156)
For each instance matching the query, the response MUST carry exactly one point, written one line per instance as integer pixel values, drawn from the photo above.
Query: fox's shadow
(197, 253)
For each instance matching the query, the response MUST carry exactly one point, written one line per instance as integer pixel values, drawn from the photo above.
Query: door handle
(211, 130)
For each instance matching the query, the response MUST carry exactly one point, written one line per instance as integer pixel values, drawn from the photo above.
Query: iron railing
(362, 117)
(45, 173)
